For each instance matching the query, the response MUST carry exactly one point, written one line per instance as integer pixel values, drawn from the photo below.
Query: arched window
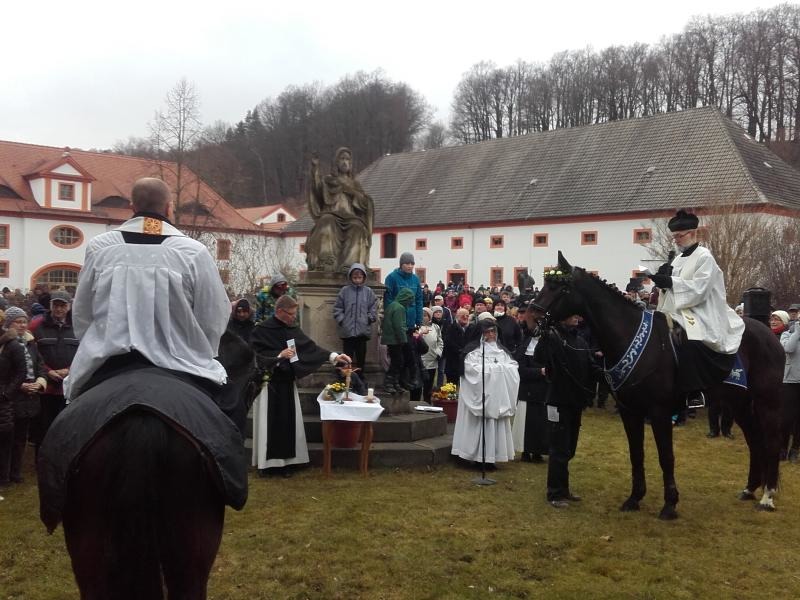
(59, 275)
(66, 236)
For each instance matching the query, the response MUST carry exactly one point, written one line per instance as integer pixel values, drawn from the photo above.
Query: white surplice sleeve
(82, 307)
(211, 308)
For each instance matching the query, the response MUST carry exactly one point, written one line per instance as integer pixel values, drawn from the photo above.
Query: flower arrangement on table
(335, 388)
(449, 391)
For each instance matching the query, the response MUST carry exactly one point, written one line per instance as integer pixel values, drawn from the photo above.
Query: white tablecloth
(352, 410)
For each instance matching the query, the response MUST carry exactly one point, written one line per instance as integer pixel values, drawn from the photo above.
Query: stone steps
(400, 440)
(430, 451)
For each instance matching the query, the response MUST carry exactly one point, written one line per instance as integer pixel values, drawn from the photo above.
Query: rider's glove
(662, 281)
(665, 269)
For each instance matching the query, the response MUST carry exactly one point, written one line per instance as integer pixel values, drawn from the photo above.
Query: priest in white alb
(488, 368)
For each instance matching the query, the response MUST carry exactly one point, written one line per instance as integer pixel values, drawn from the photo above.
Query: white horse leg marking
(767, 502)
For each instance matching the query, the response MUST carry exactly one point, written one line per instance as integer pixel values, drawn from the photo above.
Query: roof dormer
(62, 183)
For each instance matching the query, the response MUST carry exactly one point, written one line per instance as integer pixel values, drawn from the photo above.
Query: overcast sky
(87, 73)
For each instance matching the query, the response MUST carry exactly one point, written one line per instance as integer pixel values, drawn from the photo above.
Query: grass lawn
(432, 534)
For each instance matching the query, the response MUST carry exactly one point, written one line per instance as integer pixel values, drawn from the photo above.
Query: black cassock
(268, 339)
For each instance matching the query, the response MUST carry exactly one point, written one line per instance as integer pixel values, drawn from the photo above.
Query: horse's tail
(136, 469)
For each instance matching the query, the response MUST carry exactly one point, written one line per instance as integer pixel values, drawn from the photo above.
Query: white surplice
(165, 300)
(502, 385)
(697, 301)
(259, 456)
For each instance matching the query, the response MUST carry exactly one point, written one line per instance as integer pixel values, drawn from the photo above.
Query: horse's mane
(602, 284)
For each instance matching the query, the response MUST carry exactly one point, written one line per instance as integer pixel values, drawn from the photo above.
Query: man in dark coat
(531, 417)
(571, 375)
(287, 354)
(455, 338)
(57, 345)
(241, 322)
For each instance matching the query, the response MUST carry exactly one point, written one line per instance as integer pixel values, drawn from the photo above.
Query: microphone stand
(483, 480)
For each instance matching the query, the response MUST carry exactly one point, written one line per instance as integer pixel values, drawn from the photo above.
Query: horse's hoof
(765, 507)
(668, 513)
(629, 506)
(746, 495)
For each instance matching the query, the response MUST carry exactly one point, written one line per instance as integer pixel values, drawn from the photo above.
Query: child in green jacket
(395, 337)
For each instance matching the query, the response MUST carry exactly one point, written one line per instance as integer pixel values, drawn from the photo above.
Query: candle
(370, 393)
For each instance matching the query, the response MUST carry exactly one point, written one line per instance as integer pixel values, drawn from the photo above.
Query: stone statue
(343, 215)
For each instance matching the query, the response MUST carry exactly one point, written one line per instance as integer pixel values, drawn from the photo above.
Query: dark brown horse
(141, 490)
(648, 391)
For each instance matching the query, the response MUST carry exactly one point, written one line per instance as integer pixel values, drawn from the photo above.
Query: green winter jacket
(394, 319)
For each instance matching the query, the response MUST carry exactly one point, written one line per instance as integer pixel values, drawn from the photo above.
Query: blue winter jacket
(398, 279)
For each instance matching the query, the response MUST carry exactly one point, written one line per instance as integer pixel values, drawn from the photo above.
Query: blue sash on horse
(738, 376)
(177, 402)
(619, 373)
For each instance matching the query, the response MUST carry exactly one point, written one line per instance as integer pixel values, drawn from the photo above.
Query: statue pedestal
(316, 295)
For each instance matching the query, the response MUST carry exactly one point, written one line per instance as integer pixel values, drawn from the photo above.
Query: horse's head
(558, 298)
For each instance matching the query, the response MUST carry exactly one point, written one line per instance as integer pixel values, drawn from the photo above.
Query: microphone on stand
(483, 480)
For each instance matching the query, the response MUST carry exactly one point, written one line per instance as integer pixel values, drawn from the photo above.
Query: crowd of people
(523, 387)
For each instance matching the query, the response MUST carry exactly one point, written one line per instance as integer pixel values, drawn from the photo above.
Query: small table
(355, 410)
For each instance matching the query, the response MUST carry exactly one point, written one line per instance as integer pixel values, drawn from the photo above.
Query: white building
(54, 200)
(483, 211)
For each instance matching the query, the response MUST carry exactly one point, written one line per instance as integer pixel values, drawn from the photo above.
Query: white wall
(614, 257)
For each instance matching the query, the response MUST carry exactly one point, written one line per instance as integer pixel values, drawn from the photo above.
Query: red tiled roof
(114, 175)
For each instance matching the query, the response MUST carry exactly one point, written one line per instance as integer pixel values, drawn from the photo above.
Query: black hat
(683, 221)
(242, 303)
(794, 307)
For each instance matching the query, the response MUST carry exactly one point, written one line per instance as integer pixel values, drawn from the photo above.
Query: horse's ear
(563, 265)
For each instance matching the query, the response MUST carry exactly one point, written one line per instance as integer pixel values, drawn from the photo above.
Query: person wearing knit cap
(13, 371)
(693, 295)
(269, 294)
(241, 322)
(778, 322)
(27, 403)
(404, 277)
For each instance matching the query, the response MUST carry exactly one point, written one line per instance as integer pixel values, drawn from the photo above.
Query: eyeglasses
(678, 235)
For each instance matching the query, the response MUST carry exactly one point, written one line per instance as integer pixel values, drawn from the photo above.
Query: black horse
(649, 389)
(141, 488)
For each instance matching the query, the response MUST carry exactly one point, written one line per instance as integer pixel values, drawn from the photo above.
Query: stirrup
(696, 400)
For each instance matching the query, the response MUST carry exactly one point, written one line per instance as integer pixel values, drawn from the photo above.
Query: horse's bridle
(547, 319)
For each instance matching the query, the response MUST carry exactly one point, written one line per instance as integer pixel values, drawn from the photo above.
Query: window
(496, 241)
(66, 236)
(588, 238)
(495, 275)
(302, 247)
(223, 249)
(389, 245)
(422, 244)
(281, 218)
(225, 275)
(456, 243)
(58, 277)
(421, 273)
(5, 236)
(3, 269)
(642, 236)
(540, 240)
(66, 191)
(517, 271)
